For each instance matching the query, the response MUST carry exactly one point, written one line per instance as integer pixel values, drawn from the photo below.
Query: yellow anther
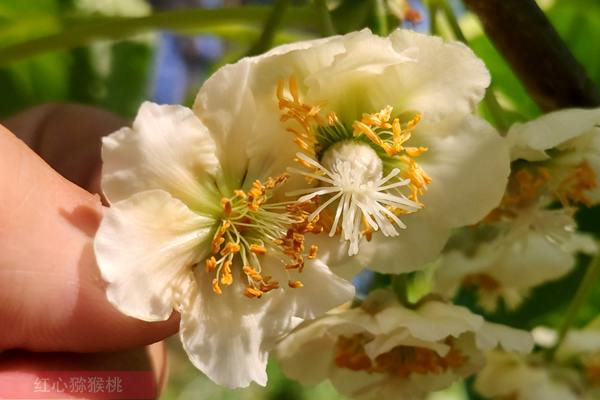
(224, 226)
(483, 281)
(226, 206)
(573, 188)
(362, 128)
(367, 231)
(379, 119)
(312, 252)
(240, 193)
(267, 286)
(332, 118)
(253, 293)
(272, 183)
(415, 151)
(229, 248)
(211, 264)
(226, 277)
(216, 244)
(295, 284)
(215, 286)
(257, 249)
(413, 122)
(252, 273)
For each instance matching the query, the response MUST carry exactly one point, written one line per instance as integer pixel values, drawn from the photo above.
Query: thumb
(51, 295)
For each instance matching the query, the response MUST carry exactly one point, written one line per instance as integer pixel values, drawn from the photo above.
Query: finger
(68, 138)
(51, 295)
(149, 365)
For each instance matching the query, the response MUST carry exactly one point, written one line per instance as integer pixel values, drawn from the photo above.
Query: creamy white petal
(251, 141)
(322, 290)
(468, 163)
(447, 77)
(307, 359)
(145, 248)
(530, 140)
(432, 321)
(491, 336)
(228, 336)
(167, 148)
(420, 243)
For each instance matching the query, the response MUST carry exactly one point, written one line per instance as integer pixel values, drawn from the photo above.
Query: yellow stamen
(483, 281)
(215, 286)
(229, 248)
(226, 205)
(258, 250)
(253, 293)
(226, 277)
(574, 187)
(401, 361)
(312, 252)
(295, 284)
(211, 264)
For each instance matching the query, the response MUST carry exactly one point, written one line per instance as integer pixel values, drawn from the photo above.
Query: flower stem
(490, 100)
(273, 22)
(381, 17)
(239, 22)
(324, 16)
(585, 286)
(432, 8)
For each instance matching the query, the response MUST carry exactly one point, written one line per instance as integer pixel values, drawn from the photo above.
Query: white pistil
(351, 172)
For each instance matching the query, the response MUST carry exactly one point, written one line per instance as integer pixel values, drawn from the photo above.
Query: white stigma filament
(352, 175)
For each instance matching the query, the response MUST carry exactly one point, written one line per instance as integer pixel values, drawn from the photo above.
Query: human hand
(54, 314)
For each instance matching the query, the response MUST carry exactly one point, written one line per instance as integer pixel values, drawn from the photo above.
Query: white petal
(420, 243)
(322, 291)
(530, 140)
(334, 253)
(469, 166)
(228, 336)
(307, 354)
(145, 247)
(432, 321)
(510, 339)
(167, 148)
(251, 141)
(447, 77)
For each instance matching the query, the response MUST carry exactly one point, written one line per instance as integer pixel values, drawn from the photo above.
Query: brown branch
(537, 54)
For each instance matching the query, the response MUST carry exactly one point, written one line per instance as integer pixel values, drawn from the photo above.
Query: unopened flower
(198, 223)
(390, 156)
(383, 350)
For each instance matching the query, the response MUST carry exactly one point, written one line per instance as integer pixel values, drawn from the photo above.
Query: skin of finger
(16, 364)
(68, 138)
(51, 295)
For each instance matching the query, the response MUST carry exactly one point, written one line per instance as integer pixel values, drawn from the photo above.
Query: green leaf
(78, 31)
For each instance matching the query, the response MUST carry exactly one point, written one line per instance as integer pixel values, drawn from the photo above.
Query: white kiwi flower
(198, 227)
(391, 156)
(384, 350)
